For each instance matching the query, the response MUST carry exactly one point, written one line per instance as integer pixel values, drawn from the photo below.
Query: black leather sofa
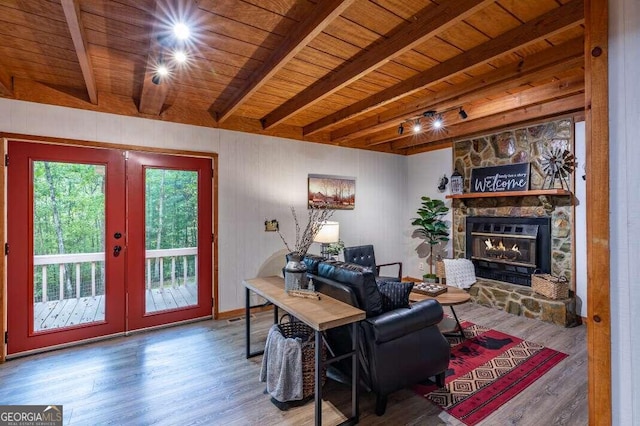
(398, 348)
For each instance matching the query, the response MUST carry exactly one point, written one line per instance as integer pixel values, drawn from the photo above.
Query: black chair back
(361, 255)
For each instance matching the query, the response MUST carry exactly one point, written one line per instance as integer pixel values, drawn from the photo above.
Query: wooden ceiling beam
(553, 108)
(71, 10)
(322, 15)
(6, 83)
(549, 24)
(533, 68)
(154, 87)
(426, 24)
(434, 146)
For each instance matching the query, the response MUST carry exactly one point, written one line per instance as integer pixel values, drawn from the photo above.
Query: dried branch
(303, 241)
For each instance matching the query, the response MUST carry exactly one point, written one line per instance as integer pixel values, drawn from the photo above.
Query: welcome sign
(509, 177)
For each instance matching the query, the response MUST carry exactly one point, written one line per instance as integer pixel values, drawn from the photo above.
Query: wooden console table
(320, 315)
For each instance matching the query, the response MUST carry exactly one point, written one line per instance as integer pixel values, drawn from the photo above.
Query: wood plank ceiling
(342, 72)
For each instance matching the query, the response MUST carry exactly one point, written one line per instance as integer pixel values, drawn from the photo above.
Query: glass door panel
(169, 247)
(171, 239)
(68, 244)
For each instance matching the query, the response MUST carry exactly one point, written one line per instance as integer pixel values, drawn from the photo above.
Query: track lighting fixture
(417, 126)
(437, 122)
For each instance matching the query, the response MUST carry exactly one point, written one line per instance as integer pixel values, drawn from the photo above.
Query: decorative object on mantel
(430, 225)
(295, 271)
(456, 182)
(558, 164)
(442, 184)
(552, 287)
(504, 178)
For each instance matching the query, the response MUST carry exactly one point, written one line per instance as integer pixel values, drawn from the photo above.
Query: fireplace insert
(509, 248)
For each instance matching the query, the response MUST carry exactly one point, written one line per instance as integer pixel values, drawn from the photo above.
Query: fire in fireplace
(509, 249)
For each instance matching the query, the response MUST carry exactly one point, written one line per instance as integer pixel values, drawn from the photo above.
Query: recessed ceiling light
(179, 56)
(181, 31)
(162, 70)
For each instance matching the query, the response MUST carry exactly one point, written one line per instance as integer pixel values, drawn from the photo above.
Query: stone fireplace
(486, 229)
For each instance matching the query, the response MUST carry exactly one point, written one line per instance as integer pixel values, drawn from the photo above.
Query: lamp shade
(329, 233)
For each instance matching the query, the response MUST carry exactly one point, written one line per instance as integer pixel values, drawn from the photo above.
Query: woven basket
(291, 328)
(550, 286)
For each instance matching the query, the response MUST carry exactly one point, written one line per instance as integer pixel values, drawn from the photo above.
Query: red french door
(103, 241)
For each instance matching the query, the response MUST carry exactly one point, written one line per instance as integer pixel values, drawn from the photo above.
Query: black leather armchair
(365, 256)
(398, 348)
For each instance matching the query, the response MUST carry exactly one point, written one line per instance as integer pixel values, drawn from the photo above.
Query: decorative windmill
(557, 163)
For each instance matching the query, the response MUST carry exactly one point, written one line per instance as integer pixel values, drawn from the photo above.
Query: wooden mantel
(532, 193)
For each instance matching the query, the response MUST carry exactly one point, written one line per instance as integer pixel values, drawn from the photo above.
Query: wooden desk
(320, 315)
(453, 296)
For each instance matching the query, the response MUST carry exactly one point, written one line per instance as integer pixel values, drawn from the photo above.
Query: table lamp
(329, 233)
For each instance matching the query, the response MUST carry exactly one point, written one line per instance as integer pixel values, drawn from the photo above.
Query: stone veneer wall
(525, 144)
(521, 300)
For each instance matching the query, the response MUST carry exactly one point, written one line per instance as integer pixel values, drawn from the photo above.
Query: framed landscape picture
(335, 192)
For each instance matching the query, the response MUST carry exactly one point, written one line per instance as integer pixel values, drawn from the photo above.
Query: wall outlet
(421, 266)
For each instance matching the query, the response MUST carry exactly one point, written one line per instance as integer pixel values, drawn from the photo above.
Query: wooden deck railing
(78, 259)
(172, 253)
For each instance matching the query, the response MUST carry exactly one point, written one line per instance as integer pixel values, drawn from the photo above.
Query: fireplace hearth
(509, 249)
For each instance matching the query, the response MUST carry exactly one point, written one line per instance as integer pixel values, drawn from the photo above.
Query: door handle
(116, 251)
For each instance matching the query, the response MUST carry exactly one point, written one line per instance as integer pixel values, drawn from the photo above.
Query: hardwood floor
(197, 374)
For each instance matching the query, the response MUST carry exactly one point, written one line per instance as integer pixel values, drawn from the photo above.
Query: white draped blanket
(459, 272)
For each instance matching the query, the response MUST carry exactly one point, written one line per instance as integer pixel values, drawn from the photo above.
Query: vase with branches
(295, 271)
(430, 225)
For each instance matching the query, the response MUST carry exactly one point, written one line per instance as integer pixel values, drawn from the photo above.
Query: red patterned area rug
(486, 370)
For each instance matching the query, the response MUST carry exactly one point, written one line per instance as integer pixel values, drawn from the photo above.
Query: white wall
(624, 137)
(580, 228)
(424, 173)
(259, 178)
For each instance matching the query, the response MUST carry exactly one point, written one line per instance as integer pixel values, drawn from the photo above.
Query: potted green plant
(431, 228)
(334, 249)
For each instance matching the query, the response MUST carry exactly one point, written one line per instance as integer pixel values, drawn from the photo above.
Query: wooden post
(597, 166)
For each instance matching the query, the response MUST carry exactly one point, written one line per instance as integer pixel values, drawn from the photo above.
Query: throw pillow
(394, 294)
